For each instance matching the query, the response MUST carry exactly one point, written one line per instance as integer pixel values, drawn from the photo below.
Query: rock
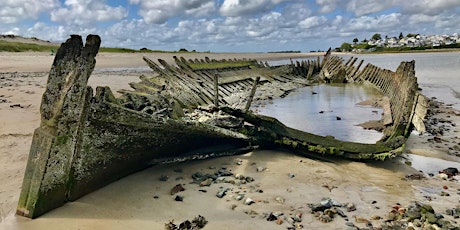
(280, 200)
(291, 175)
(271, 217)
(341, 213)
(239, 197)
(179, 198)
(431, 218)
(260, 169)
(338, 118)
(224, 172)
(239, 161)
(249, 179)
(450, 172)
(199, 221)
(206, 182)
(351, 207)
(359, 219)
(249, 201)
(177, 188)
(222, 192)
(443, 176)
(350, 224)
(164, 178)
(297, 217)
(325, 218)
(279, 221)
(239, 177)
(375, 217)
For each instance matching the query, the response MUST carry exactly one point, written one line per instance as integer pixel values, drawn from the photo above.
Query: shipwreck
(190, 109)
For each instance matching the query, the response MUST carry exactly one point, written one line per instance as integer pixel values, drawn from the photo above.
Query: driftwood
(86, 141)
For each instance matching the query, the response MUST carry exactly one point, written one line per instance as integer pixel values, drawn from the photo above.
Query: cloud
(159, 11)
(312, 22)
(386, 22)
(327, 6)
(234, 8)
(429, 7)
(87, 12)
(13, 11)
(364, 7)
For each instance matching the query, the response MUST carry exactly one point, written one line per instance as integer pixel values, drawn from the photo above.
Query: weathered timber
(193, 109)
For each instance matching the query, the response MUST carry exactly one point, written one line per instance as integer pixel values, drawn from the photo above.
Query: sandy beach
(283, 182)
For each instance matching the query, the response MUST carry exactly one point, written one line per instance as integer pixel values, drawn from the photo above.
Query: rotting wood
(86, 141)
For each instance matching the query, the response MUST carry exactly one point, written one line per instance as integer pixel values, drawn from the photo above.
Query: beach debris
(177, 188)
(197, 223)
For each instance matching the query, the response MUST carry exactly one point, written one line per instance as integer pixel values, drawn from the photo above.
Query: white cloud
(159, 11)
(429, 7)
(327, 6)
(372, 24)
(312, 22)
(364, 7)
(234, 8)
(13, 11)
(87, 12)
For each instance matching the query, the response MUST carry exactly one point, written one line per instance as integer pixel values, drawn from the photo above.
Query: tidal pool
(330, 109)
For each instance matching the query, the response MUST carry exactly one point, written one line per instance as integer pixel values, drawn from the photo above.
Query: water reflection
(328, 110)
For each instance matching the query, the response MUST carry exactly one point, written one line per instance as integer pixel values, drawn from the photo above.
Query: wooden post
(216, 91)
(251, 95)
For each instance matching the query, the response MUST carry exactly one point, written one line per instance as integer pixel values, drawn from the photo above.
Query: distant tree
(183, 50)
(364, 41)
(411, 35)
(376, 37)
(401, 36)
(346, 47)
(355, 40)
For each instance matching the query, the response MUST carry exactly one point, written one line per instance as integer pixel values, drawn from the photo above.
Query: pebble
(206, 182)
(179, 198)
(291, 175)
(249, 201)
(239, 197)
(260, 169)
(351, 207)
(222, 192)
(280, 200)
(177, 188)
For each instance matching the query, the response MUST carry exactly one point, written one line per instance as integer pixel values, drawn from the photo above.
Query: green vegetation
(376, 37)
(7, 46)
(346, 47)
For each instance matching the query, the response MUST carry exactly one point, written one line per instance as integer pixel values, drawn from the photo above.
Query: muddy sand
(283, 183)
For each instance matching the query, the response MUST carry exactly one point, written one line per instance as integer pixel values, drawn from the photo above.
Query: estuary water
(315, 108)
(328, 110)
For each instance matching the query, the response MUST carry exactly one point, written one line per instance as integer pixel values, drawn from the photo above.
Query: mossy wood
(88, 139)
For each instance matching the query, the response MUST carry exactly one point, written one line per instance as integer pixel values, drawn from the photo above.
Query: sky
(227, 25)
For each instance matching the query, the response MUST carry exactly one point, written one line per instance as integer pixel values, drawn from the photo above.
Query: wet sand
(130, 204)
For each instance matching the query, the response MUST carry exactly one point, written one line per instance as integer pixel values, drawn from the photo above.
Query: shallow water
(438, 74)
(316, 109)
(430, 164)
